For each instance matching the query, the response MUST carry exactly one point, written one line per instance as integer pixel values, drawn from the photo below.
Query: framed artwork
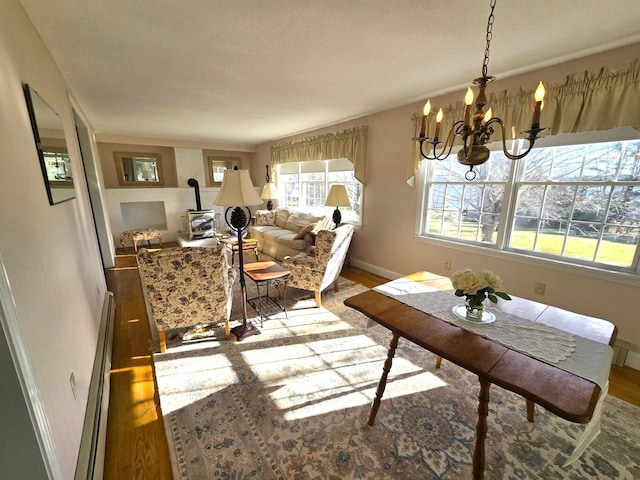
(217, 166)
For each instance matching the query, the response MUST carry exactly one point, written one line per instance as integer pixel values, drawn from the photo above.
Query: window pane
(567, 163)
(591, 203)
(630, 162)
(602, 162)
(582, 241)
(619, 245)
(309, 189)
(558, 201)
(524, 234)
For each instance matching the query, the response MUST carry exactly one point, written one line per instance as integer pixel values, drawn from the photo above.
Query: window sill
(626, 278)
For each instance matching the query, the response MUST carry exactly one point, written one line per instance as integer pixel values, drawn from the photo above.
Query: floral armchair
(321, 270)
(185, 287)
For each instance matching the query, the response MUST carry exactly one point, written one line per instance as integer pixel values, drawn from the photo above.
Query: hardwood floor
(136, 443)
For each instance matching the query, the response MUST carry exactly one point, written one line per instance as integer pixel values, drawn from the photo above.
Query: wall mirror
(139, 169)
(217, 166)
(52, 148)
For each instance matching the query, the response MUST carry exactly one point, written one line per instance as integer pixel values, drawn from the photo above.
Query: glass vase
(474, 311)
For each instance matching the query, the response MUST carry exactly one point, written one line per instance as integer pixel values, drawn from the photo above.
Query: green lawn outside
(612, 253)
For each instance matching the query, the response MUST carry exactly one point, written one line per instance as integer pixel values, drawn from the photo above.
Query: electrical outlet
(539, 288)
(72, 381)
(447, 264)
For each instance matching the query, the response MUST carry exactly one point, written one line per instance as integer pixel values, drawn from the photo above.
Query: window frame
(327, 184)
(502, 247)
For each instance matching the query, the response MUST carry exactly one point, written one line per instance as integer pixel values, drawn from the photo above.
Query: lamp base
(337, 217)
(245, 330)
(269, 205)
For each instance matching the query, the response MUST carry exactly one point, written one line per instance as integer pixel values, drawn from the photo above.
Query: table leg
(481, 429)
(531, 408)
(383, 380)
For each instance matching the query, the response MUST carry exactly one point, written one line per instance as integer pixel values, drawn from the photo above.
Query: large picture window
(305, 185)
(578, 203)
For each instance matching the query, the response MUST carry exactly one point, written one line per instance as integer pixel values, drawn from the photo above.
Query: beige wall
(244, 157)
(48, 255)
(386, 243)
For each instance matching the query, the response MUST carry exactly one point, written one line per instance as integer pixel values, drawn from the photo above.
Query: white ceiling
(244, 72)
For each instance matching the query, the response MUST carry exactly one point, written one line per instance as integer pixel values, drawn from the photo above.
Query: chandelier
(476, 130)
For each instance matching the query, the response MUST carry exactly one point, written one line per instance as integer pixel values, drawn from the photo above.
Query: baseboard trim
(369, 267)
(633, 360)
(90, 465)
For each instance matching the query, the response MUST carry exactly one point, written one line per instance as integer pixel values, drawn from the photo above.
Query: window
(305, 185)
(578, 203)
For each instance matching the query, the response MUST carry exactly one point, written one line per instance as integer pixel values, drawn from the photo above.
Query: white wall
(50, 253)
(176, 202)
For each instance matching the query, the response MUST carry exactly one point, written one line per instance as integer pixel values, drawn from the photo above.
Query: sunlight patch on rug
(198, 380)
(330, 374)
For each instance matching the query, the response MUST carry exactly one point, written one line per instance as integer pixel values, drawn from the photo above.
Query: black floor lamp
(237, 193)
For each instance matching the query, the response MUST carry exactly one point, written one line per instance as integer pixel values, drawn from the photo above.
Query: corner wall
(386, 243)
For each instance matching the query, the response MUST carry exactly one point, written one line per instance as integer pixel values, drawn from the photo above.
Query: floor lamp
(237, 193)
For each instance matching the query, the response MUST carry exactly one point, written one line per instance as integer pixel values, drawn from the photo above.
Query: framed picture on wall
(217, 166)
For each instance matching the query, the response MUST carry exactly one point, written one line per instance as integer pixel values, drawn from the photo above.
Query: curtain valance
(584, 102)
(350, 144)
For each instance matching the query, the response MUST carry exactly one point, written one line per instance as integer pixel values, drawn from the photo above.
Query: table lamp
(269, 191)
(337, 198)
(237, 193)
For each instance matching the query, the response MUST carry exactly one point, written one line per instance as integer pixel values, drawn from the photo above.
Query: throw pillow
(265, 217)
(304, 230)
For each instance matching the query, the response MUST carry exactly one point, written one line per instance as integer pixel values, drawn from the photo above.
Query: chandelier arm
(432, 154)
(447, 145)
(531, 138)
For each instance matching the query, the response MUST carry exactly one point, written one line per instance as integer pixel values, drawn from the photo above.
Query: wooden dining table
(565, 394)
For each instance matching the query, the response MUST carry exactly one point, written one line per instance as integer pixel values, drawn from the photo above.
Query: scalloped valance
(350, 144)
(583, 103)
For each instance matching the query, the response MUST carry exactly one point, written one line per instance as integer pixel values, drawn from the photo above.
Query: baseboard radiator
(90, 464)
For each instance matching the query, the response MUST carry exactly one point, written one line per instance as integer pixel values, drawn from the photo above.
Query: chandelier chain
(485, 62)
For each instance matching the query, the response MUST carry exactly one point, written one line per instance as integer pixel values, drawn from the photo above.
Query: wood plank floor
(136, 443)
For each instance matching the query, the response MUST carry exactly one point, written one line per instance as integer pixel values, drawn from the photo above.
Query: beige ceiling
(244, 72)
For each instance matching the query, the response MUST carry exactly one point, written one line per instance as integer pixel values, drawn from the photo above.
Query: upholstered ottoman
(134, 236)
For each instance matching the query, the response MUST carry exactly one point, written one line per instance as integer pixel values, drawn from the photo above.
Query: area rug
(293, 402)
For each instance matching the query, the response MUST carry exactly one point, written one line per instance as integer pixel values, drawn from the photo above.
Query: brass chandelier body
(476, 130)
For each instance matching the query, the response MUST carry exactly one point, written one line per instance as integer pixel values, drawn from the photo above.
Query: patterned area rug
(293, 402)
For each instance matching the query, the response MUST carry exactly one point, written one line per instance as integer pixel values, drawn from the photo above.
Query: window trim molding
(501, 249)
(625, 278)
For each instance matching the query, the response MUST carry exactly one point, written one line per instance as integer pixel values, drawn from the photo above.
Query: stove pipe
(192, 182)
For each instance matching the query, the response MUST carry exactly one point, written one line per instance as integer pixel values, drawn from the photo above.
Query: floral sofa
(316, 272)
(284, 232)
(186, 287)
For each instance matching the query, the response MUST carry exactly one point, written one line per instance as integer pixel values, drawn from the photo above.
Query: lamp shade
(269, 191)
(337, 197)
(237, 190)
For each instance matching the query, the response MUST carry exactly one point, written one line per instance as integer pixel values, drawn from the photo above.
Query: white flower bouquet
(477, 286)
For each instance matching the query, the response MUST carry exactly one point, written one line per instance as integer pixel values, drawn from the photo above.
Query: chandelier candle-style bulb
(468, 101)
(438, 122)
(488, 115)
(425, 117)
(537, 107)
